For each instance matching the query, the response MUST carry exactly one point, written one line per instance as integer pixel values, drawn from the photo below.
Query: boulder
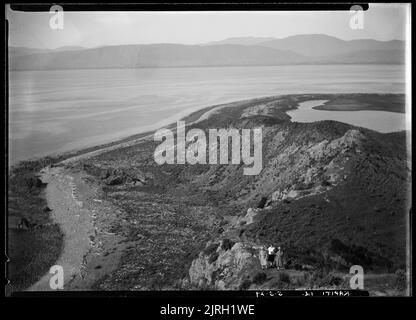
(248, 218)
(279, 195)
(114, 180)
(104, 174)
(225, 273)
(262, 203)
(292, 194)
(251, 213)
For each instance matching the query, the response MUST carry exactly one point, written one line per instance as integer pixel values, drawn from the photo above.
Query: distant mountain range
(247, 51)
(318, 45)
(242, 40)
(24, 51)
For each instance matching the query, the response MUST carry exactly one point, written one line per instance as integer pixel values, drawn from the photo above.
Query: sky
(91, 29)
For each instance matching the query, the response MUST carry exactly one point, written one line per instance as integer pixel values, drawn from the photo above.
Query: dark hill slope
(331, 188)
(359, 218)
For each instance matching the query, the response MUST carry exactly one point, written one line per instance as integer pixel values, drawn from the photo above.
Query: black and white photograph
(263, 153)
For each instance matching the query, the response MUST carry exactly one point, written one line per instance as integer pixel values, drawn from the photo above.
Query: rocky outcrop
(261, 110)
(248, 218)
(114, 180)
(351, 140)
(323, 166)
(294, 194)
(221, 268)
(117, 176)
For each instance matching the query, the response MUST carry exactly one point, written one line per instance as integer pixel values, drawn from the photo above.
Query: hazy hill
(68, 48)
(24, 51)
(157, 55)
(302, 49)
(394, 56)
(319, 45)
(241, 40)
(324, 49)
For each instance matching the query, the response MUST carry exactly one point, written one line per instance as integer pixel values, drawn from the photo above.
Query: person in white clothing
(271, 255)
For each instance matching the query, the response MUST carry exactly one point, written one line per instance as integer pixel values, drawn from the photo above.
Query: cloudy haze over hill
(190, 39)
(93, 29)
(320, 45)
(301, 49)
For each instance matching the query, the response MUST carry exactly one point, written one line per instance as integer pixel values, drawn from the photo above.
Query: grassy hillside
(33, 252)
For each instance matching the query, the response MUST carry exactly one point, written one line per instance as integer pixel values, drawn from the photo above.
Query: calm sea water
(382, 121)
(62, 110)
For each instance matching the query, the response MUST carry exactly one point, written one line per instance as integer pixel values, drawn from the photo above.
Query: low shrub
(210, 249)
(245, 285)
(325, 183)
(284, 277)
(323, 279)
(335, 280)
(259, 278)
(262, 203)
(400, 280)
(227, 244)
(300, 281)
(276, 284)
(297, 266)
(213, 257)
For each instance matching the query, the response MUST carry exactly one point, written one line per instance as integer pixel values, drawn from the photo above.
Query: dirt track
(89, 250)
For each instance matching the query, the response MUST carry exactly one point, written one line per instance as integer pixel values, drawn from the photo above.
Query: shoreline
(195, 116)
(192, 117)
(216, 66)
